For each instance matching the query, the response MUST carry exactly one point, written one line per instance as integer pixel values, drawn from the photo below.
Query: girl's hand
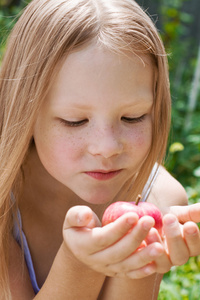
(186, 213)
(111, 249)
(183, 241)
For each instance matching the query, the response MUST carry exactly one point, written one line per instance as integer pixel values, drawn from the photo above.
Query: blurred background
(179, 26)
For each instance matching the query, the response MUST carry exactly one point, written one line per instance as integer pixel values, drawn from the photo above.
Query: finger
(177, 248)
(163, 263)
(92, 241)
(153, 236)
(187, 213)
(149, 269)
(127, 245)
(138, 260)
(142, 272)
(192, 238)
(80, 216)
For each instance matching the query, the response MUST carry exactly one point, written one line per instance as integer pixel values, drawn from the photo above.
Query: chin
(98, 199)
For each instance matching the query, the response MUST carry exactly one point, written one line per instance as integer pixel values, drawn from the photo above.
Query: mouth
(103, 174)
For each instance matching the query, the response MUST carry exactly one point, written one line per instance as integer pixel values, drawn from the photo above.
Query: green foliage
(183, 163)
(182, 282)
(8, 17)
(7, 20)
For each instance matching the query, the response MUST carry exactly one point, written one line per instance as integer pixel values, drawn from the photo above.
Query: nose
(105, 143)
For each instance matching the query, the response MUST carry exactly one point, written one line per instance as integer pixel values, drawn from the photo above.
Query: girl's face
(95, 128)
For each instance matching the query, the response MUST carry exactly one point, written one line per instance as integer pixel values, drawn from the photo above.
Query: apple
(117, 209)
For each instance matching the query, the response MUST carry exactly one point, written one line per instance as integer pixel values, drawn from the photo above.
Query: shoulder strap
(148, 186)
(22, 241)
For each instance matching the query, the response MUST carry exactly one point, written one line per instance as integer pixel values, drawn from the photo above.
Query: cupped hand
(111, 249)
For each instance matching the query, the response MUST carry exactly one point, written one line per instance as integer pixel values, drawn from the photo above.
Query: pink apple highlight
(117, 209)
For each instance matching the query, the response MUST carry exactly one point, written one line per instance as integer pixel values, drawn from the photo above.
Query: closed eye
(133, 120)
(73, 123)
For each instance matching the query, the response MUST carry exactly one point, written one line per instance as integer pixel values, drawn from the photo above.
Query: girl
(85, 113)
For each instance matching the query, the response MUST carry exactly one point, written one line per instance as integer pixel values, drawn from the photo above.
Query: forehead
(95, 72)
(95, 53)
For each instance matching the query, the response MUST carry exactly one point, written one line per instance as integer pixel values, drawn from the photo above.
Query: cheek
(62, 148)
(140, 138)
(68, 148)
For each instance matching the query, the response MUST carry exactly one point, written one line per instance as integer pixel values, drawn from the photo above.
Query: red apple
(117, 209)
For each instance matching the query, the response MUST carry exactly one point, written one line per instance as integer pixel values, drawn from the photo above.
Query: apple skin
(117, 209)
(152, 210)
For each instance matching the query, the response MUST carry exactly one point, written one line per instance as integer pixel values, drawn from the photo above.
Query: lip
(103, 174)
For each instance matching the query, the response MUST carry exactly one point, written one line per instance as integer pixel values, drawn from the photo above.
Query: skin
(73, 173)
(111, 98)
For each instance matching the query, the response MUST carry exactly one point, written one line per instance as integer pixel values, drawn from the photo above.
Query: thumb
(81, 216)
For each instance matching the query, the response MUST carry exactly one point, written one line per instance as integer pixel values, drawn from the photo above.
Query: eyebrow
(125, 104)
(134, 103)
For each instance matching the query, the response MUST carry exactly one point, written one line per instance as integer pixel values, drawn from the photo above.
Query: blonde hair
(45, 33)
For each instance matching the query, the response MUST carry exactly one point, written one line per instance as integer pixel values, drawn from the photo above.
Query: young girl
(85, 113)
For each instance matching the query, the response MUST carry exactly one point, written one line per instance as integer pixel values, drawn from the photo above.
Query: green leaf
(175, 147)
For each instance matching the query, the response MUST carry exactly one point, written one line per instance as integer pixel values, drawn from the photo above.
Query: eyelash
(82, 122)
(73, 123)
(134, 120)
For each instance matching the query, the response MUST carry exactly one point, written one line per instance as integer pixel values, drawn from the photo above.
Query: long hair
(45, 33)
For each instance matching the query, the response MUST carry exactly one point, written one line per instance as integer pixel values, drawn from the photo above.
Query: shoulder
(20, 283)
(167, 191)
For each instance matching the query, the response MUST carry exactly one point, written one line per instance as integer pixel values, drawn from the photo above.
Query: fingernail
(149, 270)
(155, 252)
(191, 231)
(170, 220)
(131, 221)
(147, 225)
